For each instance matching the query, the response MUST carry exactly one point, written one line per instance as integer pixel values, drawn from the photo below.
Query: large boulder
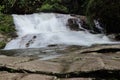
(78, 23)
(107, 12)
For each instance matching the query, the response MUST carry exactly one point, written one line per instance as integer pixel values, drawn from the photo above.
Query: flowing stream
(43, 29)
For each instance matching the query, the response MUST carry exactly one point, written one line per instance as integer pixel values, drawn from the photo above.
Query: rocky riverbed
(98, 62)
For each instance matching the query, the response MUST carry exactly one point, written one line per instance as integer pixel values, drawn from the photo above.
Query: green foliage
(8, 4)
(107, 12)
(6, 24)
(52, 1)
(46, 7)
(53, 6)
(1, 8)
(75, 6)
(2, 44)
(20, 6)
(32, 6)
(90, 17)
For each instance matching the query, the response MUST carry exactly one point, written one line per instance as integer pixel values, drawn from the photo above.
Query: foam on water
(43, 29)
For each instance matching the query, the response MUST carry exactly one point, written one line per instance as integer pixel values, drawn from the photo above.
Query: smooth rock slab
(10, 76)
(4, 60)
(22, 76)
(40, 66)
(37, 77)
(86, 60)
(86, 65)
(20, 63)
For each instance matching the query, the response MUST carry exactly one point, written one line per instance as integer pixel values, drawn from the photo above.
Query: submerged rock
(114, 37)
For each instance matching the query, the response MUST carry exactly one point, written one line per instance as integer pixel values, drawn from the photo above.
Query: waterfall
(43, 29)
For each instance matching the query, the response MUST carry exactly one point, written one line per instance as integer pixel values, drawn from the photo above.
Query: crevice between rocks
(101, 74)
(108, 50)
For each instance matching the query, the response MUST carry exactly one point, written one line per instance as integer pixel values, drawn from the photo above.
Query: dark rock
(114, 37)
(52, 45)
(34, 37)
(13, 35)
(117, 37)
(79, 23)
(73, 24)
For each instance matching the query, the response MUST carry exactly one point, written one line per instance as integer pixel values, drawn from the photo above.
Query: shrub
(53, 6)
(21, 6)
(6, 25)
(32, 6)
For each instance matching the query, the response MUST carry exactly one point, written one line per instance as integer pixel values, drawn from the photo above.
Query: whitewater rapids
(43, 29)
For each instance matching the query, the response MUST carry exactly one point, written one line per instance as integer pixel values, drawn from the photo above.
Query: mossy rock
(107, 12)
(7, 25)
(2, 44)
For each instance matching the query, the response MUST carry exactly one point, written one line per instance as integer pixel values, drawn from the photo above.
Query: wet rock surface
(76, 63)
(78, 23)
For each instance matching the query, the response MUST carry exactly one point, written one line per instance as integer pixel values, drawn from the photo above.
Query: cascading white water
(43, 29)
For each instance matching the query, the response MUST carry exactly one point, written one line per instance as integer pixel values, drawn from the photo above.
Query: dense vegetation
(32, 6)
(107, 12)
(6, 28)
(6, 24)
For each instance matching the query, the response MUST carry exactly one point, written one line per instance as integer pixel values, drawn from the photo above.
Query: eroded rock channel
(98, 62)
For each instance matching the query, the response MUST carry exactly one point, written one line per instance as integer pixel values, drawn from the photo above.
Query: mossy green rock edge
(7, 29)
